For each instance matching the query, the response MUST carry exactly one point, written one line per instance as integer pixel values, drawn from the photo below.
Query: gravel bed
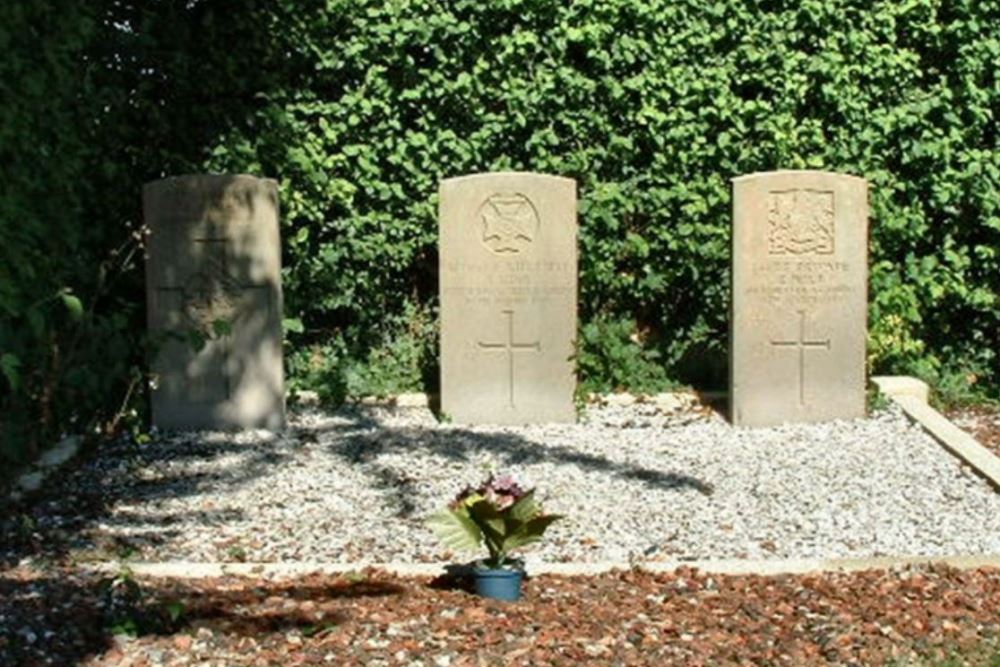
(634, 482)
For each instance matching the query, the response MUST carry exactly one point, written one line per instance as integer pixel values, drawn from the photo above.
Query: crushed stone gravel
(635, 483)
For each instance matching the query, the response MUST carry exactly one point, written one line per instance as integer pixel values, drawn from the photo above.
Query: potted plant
(502, 515)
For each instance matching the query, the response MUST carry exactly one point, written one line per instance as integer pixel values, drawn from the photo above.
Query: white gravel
(633, 482)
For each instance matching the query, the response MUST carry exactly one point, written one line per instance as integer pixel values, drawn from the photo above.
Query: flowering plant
(500, 513)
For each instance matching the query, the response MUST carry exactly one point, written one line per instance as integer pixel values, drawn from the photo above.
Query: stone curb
(49, 462)
(188, 570)
(669, 400)
(911, 395)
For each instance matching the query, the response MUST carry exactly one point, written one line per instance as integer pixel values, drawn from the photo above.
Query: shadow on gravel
(276, 607)
(62, 618)
(114, 486)
(364, 439)
(54, 620)
(60, 519)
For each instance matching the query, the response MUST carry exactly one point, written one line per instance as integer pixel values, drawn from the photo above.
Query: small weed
(129, 609)
(876, 400)
(354, 577)
(126, 552)
(237, 553)
(318, 630)
(123, 597)
(175, 611)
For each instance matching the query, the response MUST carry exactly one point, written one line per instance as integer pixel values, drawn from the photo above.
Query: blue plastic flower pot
(498, 584)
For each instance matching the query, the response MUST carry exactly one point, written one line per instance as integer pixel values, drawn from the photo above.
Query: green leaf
(221, 328)
(456, 530)
(36, 322)
(487, 518)
(9, 365)
(530, 532)
(525, 508)
(73, 304)
(493, 525)
(175, 610)
(292, 325)
(196, 340)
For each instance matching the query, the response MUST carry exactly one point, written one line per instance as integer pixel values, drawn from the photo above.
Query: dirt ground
(912, 616)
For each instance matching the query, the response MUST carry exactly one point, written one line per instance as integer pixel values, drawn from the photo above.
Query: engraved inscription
(510, 347)
(800, 222)
(800, 281)
(802, 344)
(509, 222)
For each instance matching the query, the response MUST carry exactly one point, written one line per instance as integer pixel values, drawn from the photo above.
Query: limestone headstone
(799, 297)
(508, 263)
(213, 289)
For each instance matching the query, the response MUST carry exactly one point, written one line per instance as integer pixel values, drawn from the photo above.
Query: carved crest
(509, 222)
(800, 222)
(210, 295)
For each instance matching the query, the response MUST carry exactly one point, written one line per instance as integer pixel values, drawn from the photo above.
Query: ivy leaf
(196, 340)
(293, 325)
(221, 328)
(9, 365)
(73, 304)
(36, 322)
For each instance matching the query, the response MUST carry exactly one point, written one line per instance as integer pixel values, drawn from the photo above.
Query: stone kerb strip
(213, 294)
(47, 464)
(799, 297)
(189, 570)
(508, 272)
(910, 394)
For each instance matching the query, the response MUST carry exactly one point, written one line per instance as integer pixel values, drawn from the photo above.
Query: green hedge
(360, 107)
(66, 317)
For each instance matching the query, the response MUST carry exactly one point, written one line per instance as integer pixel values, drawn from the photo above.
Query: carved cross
(802, 345)
(510, 347)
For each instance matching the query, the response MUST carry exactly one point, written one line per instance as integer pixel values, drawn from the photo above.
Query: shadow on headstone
(213, 271)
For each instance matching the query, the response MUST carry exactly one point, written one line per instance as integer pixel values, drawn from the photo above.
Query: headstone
(799, 297)
(213, 289)
(508, 298)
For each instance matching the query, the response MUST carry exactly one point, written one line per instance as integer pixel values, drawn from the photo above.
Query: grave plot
(635, 483)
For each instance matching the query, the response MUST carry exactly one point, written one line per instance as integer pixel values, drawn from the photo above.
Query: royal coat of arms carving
(800, 222)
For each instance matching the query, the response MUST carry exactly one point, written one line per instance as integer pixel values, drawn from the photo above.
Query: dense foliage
(359, 107)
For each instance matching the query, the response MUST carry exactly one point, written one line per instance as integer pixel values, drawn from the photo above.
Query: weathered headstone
(799, 297)
(508, 298)
(213, 289)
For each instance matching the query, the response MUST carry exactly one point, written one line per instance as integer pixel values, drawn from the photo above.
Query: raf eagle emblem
(509, 222)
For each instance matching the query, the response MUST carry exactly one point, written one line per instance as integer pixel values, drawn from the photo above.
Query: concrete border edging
(667, 400)
(34, 474)
(190, 570)
(911, 395)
